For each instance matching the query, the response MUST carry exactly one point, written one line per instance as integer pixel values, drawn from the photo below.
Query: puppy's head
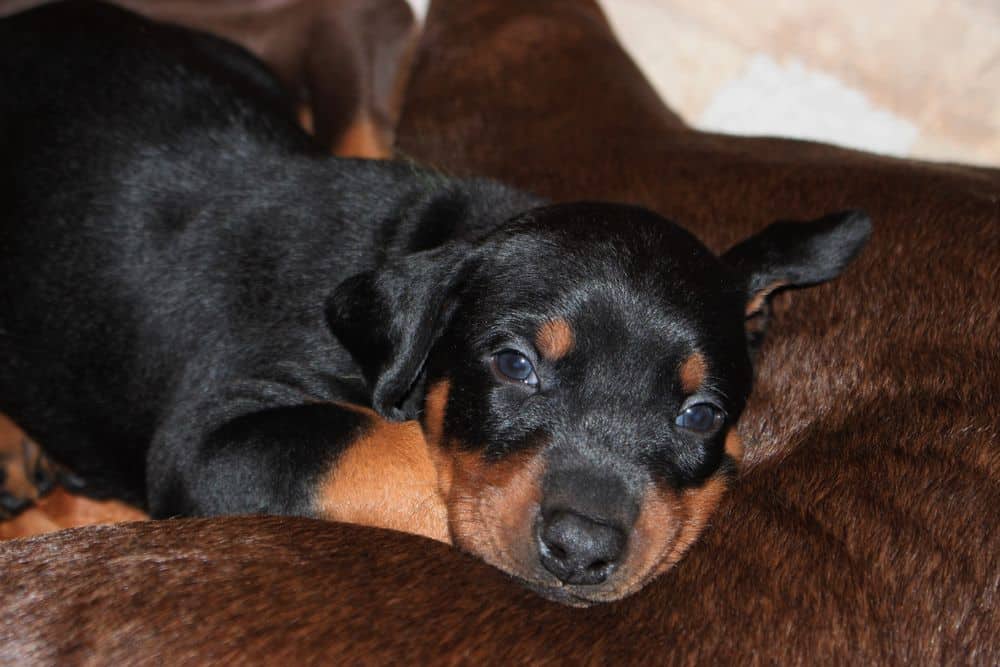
(578, 375)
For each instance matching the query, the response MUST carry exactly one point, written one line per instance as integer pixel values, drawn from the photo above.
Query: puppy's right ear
(794, 254)
(389, 318)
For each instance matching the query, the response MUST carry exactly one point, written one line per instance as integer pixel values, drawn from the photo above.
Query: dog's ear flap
(794, 254)
(389, 318)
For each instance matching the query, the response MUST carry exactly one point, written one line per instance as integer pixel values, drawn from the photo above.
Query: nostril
(598, 566)
(577, 549)
(556, 551)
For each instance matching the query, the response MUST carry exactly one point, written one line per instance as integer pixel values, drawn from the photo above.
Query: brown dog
(874, 540)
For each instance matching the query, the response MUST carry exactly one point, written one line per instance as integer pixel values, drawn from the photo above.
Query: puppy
(204, 315)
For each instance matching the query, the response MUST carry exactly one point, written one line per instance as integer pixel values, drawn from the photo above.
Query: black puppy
(202, 314)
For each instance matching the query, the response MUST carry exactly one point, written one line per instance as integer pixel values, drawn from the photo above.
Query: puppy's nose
(579, 550)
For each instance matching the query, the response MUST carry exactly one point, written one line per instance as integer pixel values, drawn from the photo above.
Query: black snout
(579, 550)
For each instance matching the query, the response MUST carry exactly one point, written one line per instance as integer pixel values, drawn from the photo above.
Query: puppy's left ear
(389, 318)
(795, 254)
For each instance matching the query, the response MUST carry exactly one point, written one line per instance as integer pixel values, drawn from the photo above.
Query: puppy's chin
(575, 596)
(561, 595)
(548, 586)
(571, 596)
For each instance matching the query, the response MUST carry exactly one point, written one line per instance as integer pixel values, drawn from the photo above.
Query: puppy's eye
(701, 418)
(513, 365)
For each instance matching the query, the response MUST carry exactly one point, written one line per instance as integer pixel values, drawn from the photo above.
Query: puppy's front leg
(334, 461)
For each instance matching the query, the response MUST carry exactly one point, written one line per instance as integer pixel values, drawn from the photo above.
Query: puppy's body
(182, 239)
(206, 315)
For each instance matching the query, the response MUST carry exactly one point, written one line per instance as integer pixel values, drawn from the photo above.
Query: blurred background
(912, 78)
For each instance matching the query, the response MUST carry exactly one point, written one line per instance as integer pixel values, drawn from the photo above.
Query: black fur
(188, 284)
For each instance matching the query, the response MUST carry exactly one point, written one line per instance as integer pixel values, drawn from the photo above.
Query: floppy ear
(389, 318)
(794, 254)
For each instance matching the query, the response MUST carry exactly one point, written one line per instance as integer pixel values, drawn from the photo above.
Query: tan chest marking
(386, 479)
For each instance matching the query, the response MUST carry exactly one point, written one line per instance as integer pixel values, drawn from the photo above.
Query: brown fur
(863, 529)
(554, 339)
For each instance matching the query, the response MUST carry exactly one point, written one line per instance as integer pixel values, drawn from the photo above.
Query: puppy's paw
(26, 473)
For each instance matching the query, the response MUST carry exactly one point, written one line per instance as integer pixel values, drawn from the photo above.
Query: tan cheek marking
(656, 528)
(697, 506)
(668, 525)
(554, 339)
(693, 372)
(491, 505)
(734, 445)
(387, 479)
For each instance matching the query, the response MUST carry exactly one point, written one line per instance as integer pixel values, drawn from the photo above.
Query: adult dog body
(205, 315)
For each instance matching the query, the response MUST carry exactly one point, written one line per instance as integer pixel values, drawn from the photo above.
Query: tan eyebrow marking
(693, 372)
(554, 339)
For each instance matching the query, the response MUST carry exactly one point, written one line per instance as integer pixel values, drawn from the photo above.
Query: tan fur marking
(32, 521)
(305, 114)
(555, 339)
(734, 445)
(386, 479)
(491, 507)
(60, 510)
(693, 372)
(69, 510)
(21, 459)
(697, 506)
(668, 524)
(362, 139)
(435, 406)
(756, 302)
(655, 530)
